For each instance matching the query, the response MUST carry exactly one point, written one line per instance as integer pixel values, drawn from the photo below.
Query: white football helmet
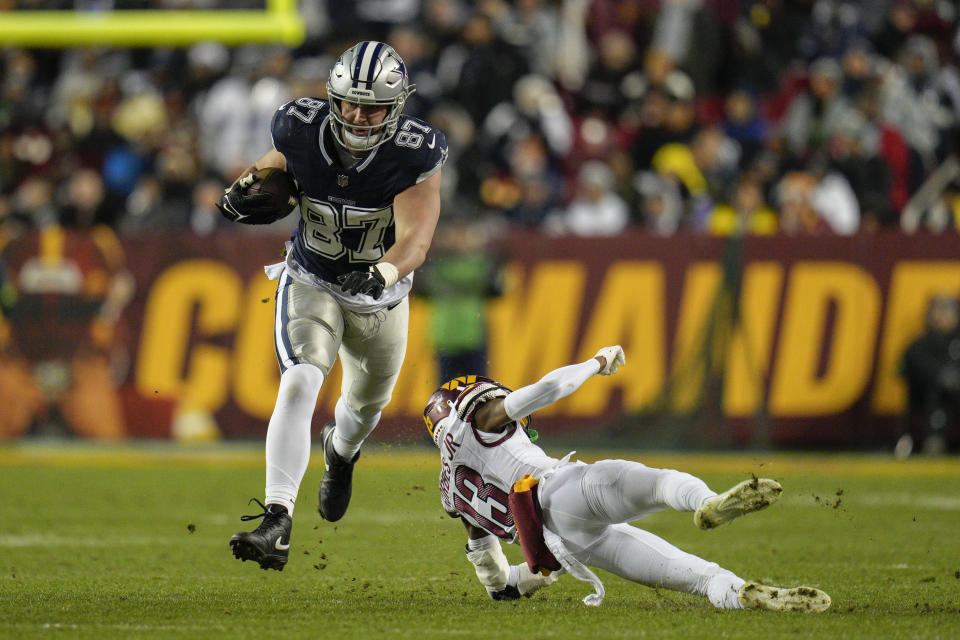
(368, 73)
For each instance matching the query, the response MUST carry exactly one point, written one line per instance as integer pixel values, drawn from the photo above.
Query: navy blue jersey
(346, 214)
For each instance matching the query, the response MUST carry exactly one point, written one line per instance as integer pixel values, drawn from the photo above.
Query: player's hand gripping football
(613, 358)
(238, 206)
(370, 282)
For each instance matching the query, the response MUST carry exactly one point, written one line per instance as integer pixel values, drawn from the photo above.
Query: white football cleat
(753, 595)
(746, 497)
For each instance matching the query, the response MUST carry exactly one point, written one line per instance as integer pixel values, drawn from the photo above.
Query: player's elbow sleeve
(524, 401)
(555, 386)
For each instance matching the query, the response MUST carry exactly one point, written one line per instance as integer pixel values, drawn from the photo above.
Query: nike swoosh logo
(433, 142)
(279, 546)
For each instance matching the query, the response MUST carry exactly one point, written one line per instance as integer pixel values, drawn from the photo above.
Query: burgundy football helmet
(472, 392)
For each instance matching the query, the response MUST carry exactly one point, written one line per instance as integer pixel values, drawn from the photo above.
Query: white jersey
(476, 476)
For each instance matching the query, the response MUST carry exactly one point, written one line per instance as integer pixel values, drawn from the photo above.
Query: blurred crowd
(581, 117)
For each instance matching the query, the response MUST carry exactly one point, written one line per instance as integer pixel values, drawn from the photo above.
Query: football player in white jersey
(368, 180)
(567, 514)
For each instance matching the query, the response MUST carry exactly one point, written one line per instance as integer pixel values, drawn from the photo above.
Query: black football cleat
(268, 544)
(337, 483)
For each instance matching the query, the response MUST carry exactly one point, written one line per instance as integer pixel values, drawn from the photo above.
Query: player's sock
(352, 429)
(681, 491)
(288, 433)
(722, 591)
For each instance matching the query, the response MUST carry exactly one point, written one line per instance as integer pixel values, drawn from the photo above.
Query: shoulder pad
(423, 143)
(291, 118)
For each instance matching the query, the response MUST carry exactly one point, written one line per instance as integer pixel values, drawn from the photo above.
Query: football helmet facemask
(373, 74)
(475, 391)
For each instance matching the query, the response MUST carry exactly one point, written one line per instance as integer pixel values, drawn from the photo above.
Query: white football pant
(311, 330)
(588, 506)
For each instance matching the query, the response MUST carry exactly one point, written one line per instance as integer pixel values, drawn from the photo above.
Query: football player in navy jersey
(369, 195)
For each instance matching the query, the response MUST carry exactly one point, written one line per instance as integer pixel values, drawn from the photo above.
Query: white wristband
(389, 272)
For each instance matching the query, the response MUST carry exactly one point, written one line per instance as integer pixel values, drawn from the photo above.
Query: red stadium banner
(765, 341)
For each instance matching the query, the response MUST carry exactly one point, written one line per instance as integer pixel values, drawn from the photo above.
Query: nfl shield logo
(341, 180)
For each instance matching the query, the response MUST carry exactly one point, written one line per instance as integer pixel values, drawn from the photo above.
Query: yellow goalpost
(278, 23)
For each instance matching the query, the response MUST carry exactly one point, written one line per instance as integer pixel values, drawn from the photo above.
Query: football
(279, 185)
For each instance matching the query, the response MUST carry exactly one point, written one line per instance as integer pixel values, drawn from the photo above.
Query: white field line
(933, 502)
(60, 626)
(117, 626)
(905, 499)
(24, 540)
(384, 518)
(48, 540)
(381, 455)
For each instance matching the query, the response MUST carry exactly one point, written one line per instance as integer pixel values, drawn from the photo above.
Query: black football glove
(370, 282)
(237, 206)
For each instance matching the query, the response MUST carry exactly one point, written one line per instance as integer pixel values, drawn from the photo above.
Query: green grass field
(132, 542)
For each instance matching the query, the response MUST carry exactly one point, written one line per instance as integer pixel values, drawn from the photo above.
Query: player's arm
(492, 416)
(502, 581)
(415, 214)
(271, 159)
(416, 211)
(237, 206)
